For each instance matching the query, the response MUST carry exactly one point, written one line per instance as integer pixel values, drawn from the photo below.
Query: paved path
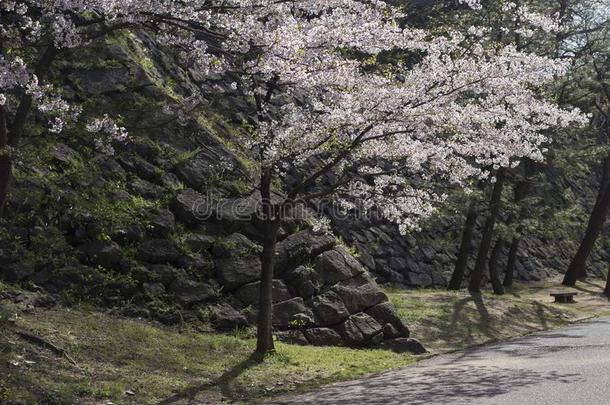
(565, 366)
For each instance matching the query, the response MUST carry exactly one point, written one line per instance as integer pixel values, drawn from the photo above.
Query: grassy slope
(164, 365)
(116, 355)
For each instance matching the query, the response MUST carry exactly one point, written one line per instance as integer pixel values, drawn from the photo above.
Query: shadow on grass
(589, 291)
(223, 382)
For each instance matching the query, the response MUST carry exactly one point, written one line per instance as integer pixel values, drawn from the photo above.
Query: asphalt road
(566, 366)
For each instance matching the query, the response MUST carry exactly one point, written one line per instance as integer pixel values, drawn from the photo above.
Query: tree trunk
(271, 224)
(512, 260)
(521, 191)
(493, 267)
(488, 229)
(607, 289)
(12, 136)
(5, 161)
(594, 228)
(462, 260)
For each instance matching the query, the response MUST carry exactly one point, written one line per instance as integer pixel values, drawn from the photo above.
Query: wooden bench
(564, 297)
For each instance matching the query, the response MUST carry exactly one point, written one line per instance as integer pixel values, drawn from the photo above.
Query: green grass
(116, 355)
(452, 320)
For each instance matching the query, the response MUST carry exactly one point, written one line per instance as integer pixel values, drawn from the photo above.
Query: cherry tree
(383, 107)
(451, 107)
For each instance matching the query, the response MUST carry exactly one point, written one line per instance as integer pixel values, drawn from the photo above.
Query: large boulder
(234, 245)
(404, 345)
(322, 337)
(159, 251)
(164, 273)
(163, 223)
(359, 329)
(233, 272)
(196, 171)
(191, 207)
(105, 253)
(249, 293)
(188, 292)
(146, 189)
(329, 309)
(139, 166)
(226, 318)
(385, 314)
(303, 281)
(337, 265)
(199, 242)
(291, 313)
(300, 247)
(360, 293)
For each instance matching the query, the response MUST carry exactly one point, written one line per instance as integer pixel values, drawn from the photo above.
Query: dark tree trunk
(5, 162)
(512, 259)
(521, 191)
(12, 136)
(462, 260)
(607, 289)
(494, 275)
(264, 341)
(488, 230)
(598, 216)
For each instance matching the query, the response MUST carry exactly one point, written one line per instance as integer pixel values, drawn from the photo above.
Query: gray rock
(322, 337)
(129, 233)
(291, 311)
(191, 207)
(188, 292)
(329, 309)
(350, 333)
(385, 313)
(139, 166)
(101, 252)
(360, 293)
(164, 273)
(249, 293)
(294, 337)
(389, 331)
(153, 289)
(226, 318)
(195, 172)
(62, 153)
(303, 281)
(146, 189)
(235, 245)
(199, 242)
(236, 210)
(111, 168)
(102, 80)
(418, 279)
(158, 251)
(233, 272)
(299, 247)
(367, 325)
(337, 265)
(404, 345)
(163, 223)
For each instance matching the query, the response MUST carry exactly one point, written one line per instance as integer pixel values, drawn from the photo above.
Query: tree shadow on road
(445, 384)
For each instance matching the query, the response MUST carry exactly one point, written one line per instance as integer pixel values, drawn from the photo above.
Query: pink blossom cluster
(453, 108)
